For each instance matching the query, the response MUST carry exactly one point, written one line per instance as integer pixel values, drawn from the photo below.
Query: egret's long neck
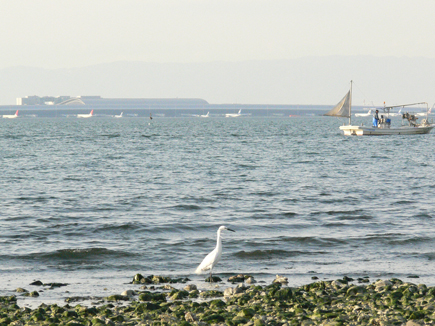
(218, 241)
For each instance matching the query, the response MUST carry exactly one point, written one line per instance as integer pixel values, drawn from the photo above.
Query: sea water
(92, 202)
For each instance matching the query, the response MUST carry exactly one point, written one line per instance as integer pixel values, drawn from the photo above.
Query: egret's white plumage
(212, 258)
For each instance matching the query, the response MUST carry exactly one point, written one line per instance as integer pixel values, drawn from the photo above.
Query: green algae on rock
(339, 302)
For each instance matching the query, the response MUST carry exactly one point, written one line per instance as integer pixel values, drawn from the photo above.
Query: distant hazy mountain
(309, 80)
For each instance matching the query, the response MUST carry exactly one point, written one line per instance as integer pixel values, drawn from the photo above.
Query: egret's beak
(230, 230)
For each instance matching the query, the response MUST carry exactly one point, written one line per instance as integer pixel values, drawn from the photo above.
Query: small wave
(273, 216)
(119, 227)
(70, 178)
(394, 239)
(87, 253)
(274, 253)
(111, 135)
(37, 199)
(114, 157)
(424, 216)
(264, 193)
(149, 136)
(290, 200)
(186, 207)
(409, 240)
(429, 255)
(261, 254)
(13, 136)
(355, 217)
(403, 202)
(345, 215)
(79, 254)
(312, 241)
(247, 167)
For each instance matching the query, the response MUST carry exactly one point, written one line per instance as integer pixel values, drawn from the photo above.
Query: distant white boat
(363, 114)
(119, 116)
(423, 114)
(86, 115)
(11, 116)
(396, 114)
(233, 115)
(205, 115)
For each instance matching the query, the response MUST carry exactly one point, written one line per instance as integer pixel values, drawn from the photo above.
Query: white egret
(212, 258)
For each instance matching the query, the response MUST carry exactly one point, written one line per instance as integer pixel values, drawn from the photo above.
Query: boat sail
(344, 107)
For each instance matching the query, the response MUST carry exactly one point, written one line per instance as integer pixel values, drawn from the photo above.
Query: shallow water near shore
(93, 202)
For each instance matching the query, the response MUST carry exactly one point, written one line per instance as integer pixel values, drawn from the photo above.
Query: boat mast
(350, 104)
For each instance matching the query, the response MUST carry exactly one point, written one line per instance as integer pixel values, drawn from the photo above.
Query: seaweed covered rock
(211, 294)
(339, 302)
(117, 297)
(156, 279)
(152, 296)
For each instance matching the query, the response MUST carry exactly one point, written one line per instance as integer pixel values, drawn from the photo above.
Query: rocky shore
(157, 300)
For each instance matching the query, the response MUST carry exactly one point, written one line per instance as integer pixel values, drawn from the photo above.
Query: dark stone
(248, 313)
(213, 319)
(179, 295)
(395, 294)
(38, 283)
(213, 279)
(69, 313)
(179, 280)
(5, 321)
(149, 296)
(55, 285)
(217, 303)
(283, 294)
(211, 294)
(8, 299)
(157, 279)
(417, 315)
(237, 278)
(347, 279)
(239, 320)
(147, 306)
(117, 297)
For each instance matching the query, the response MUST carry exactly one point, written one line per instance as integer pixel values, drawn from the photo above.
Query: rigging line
(363, 93)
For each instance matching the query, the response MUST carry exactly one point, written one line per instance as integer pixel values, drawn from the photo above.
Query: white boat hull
(374, 131)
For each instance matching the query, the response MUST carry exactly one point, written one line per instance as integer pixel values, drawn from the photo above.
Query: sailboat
(383, 126)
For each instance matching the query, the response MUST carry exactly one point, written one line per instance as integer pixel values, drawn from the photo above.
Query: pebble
(280, 279)
(190, 287)
(251, 280)
(128, 293)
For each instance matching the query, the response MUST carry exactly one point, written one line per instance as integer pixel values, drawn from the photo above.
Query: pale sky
(75, 33)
